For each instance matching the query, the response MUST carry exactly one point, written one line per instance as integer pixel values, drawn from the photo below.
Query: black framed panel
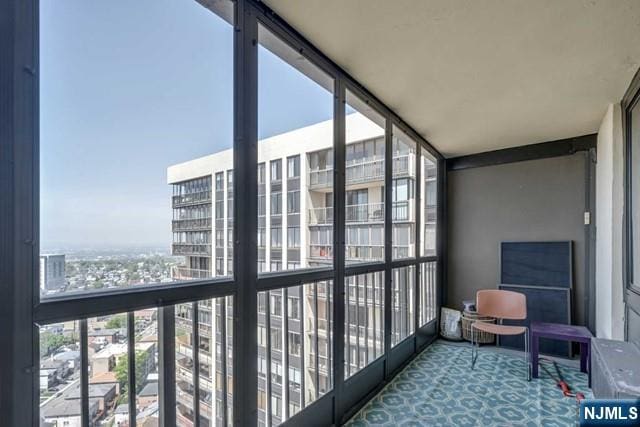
(79, 307)
(318, 413)
(426, 334)
(245, 411)
(400, 354)
(363, 382)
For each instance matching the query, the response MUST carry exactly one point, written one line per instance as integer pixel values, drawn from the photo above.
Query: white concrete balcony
(191, 224)
(321, 216)
(198, 198)
(359, 253)
(203, 249)
(364, 213)
(364, 170)
(186, 273)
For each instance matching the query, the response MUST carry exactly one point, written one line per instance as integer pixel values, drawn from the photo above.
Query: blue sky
(128, 88)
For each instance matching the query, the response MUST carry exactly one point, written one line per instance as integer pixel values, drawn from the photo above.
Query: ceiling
(474, 76)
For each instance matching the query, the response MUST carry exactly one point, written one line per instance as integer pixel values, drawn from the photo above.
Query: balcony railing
(191, 199)
(191, 249)
(372, 212)
(186, 273)
(321, 216)
(364, 213)
(364, 170)
(191, 224)
(403, 211)
(360, 252)
(365, 252)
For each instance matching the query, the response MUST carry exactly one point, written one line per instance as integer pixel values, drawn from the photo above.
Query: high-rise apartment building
(52, 272)
(295, 230)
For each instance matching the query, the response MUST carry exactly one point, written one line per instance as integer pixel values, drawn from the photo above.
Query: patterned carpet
(439, 389)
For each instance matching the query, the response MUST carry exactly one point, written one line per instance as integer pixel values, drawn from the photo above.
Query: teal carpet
(439, 389)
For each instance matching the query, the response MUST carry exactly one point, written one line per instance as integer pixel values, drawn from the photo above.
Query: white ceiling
(474, 76)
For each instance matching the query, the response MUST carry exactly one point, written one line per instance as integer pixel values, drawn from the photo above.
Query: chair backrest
(501, 304)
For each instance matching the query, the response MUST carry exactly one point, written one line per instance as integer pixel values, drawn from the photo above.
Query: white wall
(609, 208)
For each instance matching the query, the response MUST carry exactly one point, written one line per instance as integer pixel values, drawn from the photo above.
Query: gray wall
(532, 200)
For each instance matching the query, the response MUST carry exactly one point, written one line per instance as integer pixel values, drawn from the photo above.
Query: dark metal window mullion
(131, 352)
(195, 358)
(268, 357)
(357, 323)
(418, 241)
(339, 249)
(303, 358)
(347, 343)
(329, 341)
(407, 300)
(245, 182)
(388, 237)
(441, 230)
(285, 367)
(84, 374)
(366, 320)
(167, 361)
(225, 350)
(317, 340)
(375, 315)
(434, 284)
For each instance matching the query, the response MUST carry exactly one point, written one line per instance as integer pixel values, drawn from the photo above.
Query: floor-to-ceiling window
(219, 211)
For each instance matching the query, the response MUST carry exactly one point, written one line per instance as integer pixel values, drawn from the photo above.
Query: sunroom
(245, 212)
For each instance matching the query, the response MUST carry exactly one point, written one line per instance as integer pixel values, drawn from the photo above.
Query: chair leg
(527, 356)
(474, 350)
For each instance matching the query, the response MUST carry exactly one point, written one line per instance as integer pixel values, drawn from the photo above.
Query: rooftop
(98, 391)
(151, 389)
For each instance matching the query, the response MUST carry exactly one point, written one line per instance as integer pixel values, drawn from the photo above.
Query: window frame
(631, 285)
(20, 218)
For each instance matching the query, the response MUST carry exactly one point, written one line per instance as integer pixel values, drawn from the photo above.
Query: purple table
(558, 331)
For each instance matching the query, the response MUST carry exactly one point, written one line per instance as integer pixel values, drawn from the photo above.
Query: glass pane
(403, 195)
(428, 292)
(364, 198)
(429, 203)
(402, 315)
(215, 319)
(364, 321)
(147, 375)
(185, 393)
(294, 359)
(60, 374)
(295, 159)
(118, 122)
(109, 366)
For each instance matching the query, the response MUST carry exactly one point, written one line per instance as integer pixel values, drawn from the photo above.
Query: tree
(122, 373)
(49, 342)
(117, 322)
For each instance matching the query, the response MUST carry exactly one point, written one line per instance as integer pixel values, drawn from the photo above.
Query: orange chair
(501, 305)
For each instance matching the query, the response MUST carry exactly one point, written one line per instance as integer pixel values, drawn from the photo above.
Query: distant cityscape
(63, 271)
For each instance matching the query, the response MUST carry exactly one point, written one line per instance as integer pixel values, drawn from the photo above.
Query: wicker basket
(481, 337)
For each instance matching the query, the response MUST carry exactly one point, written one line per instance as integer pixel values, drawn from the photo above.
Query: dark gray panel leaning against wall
(534, 200)
(536, 264)
(543, 305)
